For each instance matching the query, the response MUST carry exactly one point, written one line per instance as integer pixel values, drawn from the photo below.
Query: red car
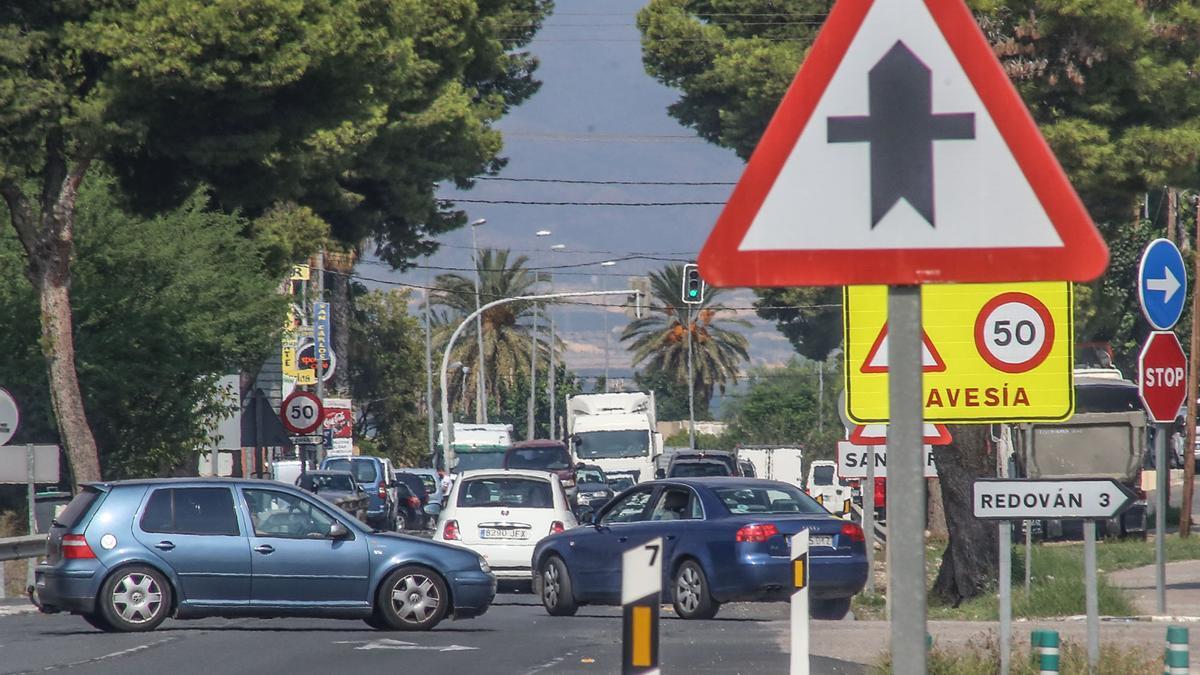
(543, 455)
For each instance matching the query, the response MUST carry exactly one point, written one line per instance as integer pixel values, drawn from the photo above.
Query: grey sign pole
(1160, 516)
(1092, 598)
(906, 478)
(868, 495)
(30, 468)
(1028, 555)
(1005, 549)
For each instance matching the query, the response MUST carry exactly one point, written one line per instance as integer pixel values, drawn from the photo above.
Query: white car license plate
(502, 533)
(825, 540)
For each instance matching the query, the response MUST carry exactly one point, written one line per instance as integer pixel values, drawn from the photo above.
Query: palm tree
(507, 329)
(659, 340)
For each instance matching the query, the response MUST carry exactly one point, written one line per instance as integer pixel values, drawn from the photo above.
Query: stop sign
(1162, 376)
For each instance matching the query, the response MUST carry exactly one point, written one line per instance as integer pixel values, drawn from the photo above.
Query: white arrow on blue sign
(1086, 498)
(1161, 280)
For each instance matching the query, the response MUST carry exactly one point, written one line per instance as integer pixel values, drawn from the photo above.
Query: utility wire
(547, 203)
(566, 181)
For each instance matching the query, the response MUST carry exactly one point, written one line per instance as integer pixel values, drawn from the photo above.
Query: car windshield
(468, 461)
(590, 476)
(526, 493)
(362, 469)
(696, 469)
(326, 481)
(599, 444)
(772, 499)
(621, 483)
(822, 475)
(539, 459)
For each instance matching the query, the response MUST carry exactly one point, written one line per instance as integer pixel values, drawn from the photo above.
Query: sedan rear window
(822, 475)
(697, 469)
(363, 470)
(775, 499)
(191, 511)
(325, 481)
(524, 493)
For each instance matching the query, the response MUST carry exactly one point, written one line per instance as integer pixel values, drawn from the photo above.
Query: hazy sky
(598, 116)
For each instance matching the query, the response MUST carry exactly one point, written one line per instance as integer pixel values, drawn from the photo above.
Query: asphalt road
(515, 637)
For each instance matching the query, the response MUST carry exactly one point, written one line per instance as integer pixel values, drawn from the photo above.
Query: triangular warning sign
(901, 154)
(876, 434)
(876, 361)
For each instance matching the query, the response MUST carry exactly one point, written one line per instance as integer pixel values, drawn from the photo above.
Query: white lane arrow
(1169, 285)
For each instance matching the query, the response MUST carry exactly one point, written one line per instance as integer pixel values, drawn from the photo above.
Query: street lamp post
(607, 333)
(481, 394)
(447, 420)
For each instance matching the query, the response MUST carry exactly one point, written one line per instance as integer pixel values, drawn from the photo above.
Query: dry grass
(983, 658)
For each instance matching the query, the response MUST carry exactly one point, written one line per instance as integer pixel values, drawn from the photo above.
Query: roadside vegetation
(1056, 586)
(983, 658)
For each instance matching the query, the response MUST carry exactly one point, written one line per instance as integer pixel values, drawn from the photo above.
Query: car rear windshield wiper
(54, 523)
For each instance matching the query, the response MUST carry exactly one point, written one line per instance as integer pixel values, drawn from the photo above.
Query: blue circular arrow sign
(1161, 284)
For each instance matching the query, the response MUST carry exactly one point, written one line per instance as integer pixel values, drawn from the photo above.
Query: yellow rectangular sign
(300, 273)
(991, 352)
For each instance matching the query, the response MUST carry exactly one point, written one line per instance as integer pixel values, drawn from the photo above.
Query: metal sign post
(1092, 601)
(868, 494)
(1005, 581)
(1160, 515)
(906, 478)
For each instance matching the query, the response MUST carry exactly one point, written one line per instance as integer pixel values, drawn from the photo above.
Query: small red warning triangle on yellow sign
(876, 361)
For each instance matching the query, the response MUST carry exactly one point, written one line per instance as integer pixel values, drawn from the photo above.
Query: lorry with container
(775, 462)
(477, 446)
(616, 432)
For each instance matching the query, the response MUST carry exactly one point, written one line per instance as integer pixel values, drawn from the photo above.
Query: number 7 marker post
(641, 591)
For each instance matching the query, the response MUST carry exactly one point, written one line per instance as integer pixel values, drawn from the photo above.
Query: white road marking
(400, 645)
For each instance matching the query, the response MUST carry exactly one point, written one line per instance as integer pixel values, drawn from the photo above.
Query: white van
(825, 486)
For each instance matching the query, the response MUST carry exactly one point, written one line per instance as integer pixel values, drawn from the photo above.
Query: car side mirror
(338, 531)
(660, 473)
(432, 509)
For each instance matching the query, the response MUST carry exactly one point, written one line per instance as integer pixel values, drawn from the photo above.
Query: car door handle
(622, 539)
(670, 537)
(265, 549)
(164, 546)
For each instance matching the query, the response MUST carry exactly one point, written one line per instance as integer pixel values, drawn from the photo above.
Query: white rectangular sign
(1041, 498)
(14, 464)
(852, 460)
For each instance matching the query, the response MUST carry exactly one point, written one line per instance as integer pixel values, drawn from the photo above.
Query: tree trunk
(971, 558)
(340, 314)
(49, 242)
(935, 516)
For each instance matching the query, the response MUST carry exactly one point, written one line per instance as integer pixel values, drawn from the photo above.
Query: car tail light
(382, 491)
(450, 531)
(756, 533)
(556, 527)
(75, 547)
(853, 532)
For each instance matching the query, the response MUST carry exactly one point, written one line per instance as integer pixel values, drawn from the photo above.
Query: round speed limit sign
(302, 413)
(1014, 332)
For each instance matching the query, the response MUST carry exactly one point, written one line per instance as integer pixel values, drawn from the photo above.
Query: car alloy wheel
(557, 596)
(137, 598)
(415, 598)
(687, 589)
(551, 586)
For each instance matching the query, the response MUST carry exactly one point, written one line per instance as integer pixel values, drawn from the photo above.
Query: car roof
(526, 473)
(538, 443)
(331, 472)
(194, 480)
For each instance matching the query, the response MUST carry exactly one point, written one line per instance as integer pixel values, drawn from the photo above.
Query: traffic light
(693, 285)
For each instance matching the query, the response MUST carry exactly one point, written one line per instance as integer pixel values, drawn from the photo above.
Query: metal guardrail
(17, 548)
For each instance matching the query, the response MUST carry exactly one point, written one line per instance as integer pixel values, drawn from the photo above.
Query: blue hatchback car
(126, 555)
(724, 540)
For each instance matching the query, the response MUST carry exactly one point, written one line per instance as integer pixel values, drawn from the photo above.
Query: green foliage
(982, 657)
(513, 405)
(163, 306)
(507, 328)
(387, 381)
(1111, 82)
(659, 341)
(670, 395)
(810, 318)
(780, 407)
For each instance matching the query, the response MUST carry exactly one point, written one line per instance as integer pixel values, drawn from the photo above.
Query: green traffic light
(693, 292)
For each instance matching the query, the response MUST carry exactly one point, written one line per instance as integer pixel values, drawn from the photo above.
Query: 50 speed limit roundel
(302, 413)
(1014, 332)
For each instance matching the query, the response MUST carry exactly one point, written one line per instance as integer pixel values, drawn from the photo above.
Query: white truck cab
(616, 432)
(825, 486)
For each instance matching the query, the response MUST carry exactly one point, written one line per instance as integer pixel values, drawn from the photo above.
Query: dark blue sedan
(724, 540)
(126, 555)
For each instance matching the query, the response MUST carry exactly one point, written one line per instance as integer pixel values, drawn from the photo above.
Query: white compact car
(501, 515)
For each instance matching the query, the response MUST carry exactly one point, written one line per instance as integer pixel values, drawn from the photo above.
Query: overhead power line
(570, 181)
(546, 203)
